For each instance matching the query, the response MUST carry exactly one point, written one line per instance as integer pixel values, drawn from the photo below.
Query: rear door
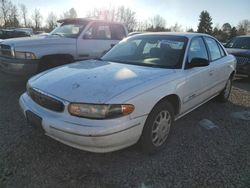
(98, 39)
(218, 63)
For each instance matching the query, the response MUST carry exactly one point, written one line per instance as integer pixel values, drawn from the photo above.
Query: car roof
(184, 34)
(79, 20)
(243, 36)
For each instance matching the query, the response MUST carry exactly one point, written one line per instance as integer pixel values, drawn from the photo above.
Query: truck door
(97, 40)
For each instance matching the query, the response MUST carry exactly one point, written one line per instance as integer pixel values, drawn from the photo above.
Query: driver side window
(197, 49)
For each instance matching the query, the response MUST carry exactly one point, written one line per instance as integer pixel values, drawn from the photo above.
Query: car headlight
(25, 55)
(100, 111)
(28, 89)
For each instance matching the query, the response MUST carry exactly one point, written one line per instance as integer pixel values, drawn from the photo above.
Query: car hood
(239, 52)
(38, 40)
(94, 81)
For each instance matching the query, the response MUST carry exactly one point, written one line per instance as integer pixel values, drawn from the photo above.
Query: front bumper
(18, 66)
(90, 135)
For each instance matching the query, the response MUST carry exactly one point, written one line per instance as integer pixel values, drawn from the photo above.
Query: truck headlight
(100, 111)
(25, 55)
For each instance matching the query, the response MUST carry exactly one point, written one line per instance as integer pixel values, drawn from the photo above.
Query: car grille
(5, 50)
(45, 100)
(242, 60)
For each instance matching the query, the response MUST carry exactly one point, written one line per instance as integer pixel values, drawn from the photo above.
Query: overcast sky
(185, 12)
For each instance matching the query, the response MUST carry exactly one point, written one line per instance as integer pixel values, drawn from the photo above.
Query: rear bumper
(90, 135)
(18, 67)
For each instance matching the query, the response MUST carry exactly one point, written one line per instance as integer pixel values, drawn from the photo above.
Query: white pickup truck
(75, 39)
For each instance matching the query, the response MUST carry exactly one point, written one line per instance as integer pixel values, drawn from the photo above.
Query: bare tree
(142, 26)
(13, 17)
(103, 14)
(176, 28)
(121, 14)
(24, 13)
(5, 9)
(69, 14)
(51, 21)
(244, 27)
(37, 18)
(158, 22)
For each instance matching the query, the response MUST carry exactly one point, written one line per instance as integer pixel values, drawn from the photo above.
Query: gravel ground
(194, 156)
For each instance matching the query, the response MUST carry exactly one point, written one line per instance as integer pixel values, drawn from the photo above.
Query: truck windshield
(70, 30)
(239, 42)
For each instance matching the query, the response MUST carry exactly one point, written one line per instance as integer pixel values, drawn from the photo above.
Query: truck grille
(5, 50)
(45, 100)
(242, 60)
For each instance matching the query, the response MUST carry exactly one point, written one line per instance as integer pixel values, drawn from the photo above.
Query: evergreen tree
(205, 25)
(233, 32)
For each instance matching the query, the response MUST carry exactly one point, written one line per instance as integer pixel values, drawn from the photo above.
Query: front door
(198, 80)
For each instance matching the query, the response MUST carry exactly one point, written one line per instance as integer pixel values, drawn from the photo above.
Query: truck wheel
(225, 93)
(157, 128)
(51, 62)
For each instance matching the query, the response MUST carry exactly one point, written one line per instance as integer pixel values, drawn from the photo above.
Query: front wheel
(225, 93)
(157, 127)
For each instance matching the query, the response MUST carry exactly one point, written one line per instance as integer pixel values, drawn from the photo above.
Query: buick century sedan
(133, 94)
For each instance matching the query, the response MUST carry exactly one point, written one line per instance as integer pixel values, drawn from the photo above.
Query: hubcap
(161, 127)
(227, 89)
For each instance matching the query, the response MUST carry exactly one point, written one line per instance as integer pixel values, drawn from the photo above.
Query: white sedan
(133, 94)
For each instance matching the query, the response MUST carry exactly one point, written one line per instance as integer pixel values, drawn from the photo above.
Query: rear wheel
(225, 93)
(157, 127)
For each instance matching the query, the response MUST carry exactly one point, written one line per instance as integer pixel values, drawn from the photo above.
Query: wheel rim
(160, 128)
(227, 89)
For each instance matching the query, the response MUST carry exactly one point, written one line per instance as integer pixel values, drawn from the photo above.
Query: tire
(51, 62)
(225, 93)
(157, 128)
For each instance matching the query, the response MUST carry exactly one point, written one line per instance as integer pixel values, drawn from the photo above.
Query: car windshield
(71, 30)
(241, 43)
(149, 50)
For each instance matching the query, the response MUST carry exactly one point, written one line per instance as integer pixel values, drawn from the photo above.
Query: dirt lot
(194, 156)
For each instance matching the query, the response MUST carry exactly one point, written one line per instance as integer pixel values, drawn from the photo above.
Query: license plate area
(34, 120)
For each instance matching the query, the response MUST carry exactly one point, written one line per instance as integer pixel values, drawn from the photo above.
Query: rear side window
(239, 42)
(197, 49)
(213, 49)
(117, 32)
(222, 52)
(100, 31)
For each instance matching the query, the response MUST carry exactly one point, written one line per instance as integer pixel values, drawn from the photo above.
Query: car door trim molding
(194, 95)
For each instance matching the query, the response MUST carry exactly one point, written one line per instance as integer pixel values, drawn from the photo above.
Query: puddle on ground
(245, 115)
(207, 124)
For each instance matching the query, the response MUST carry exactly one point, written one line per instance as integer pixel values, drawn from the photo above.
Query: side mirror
(198, 62)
